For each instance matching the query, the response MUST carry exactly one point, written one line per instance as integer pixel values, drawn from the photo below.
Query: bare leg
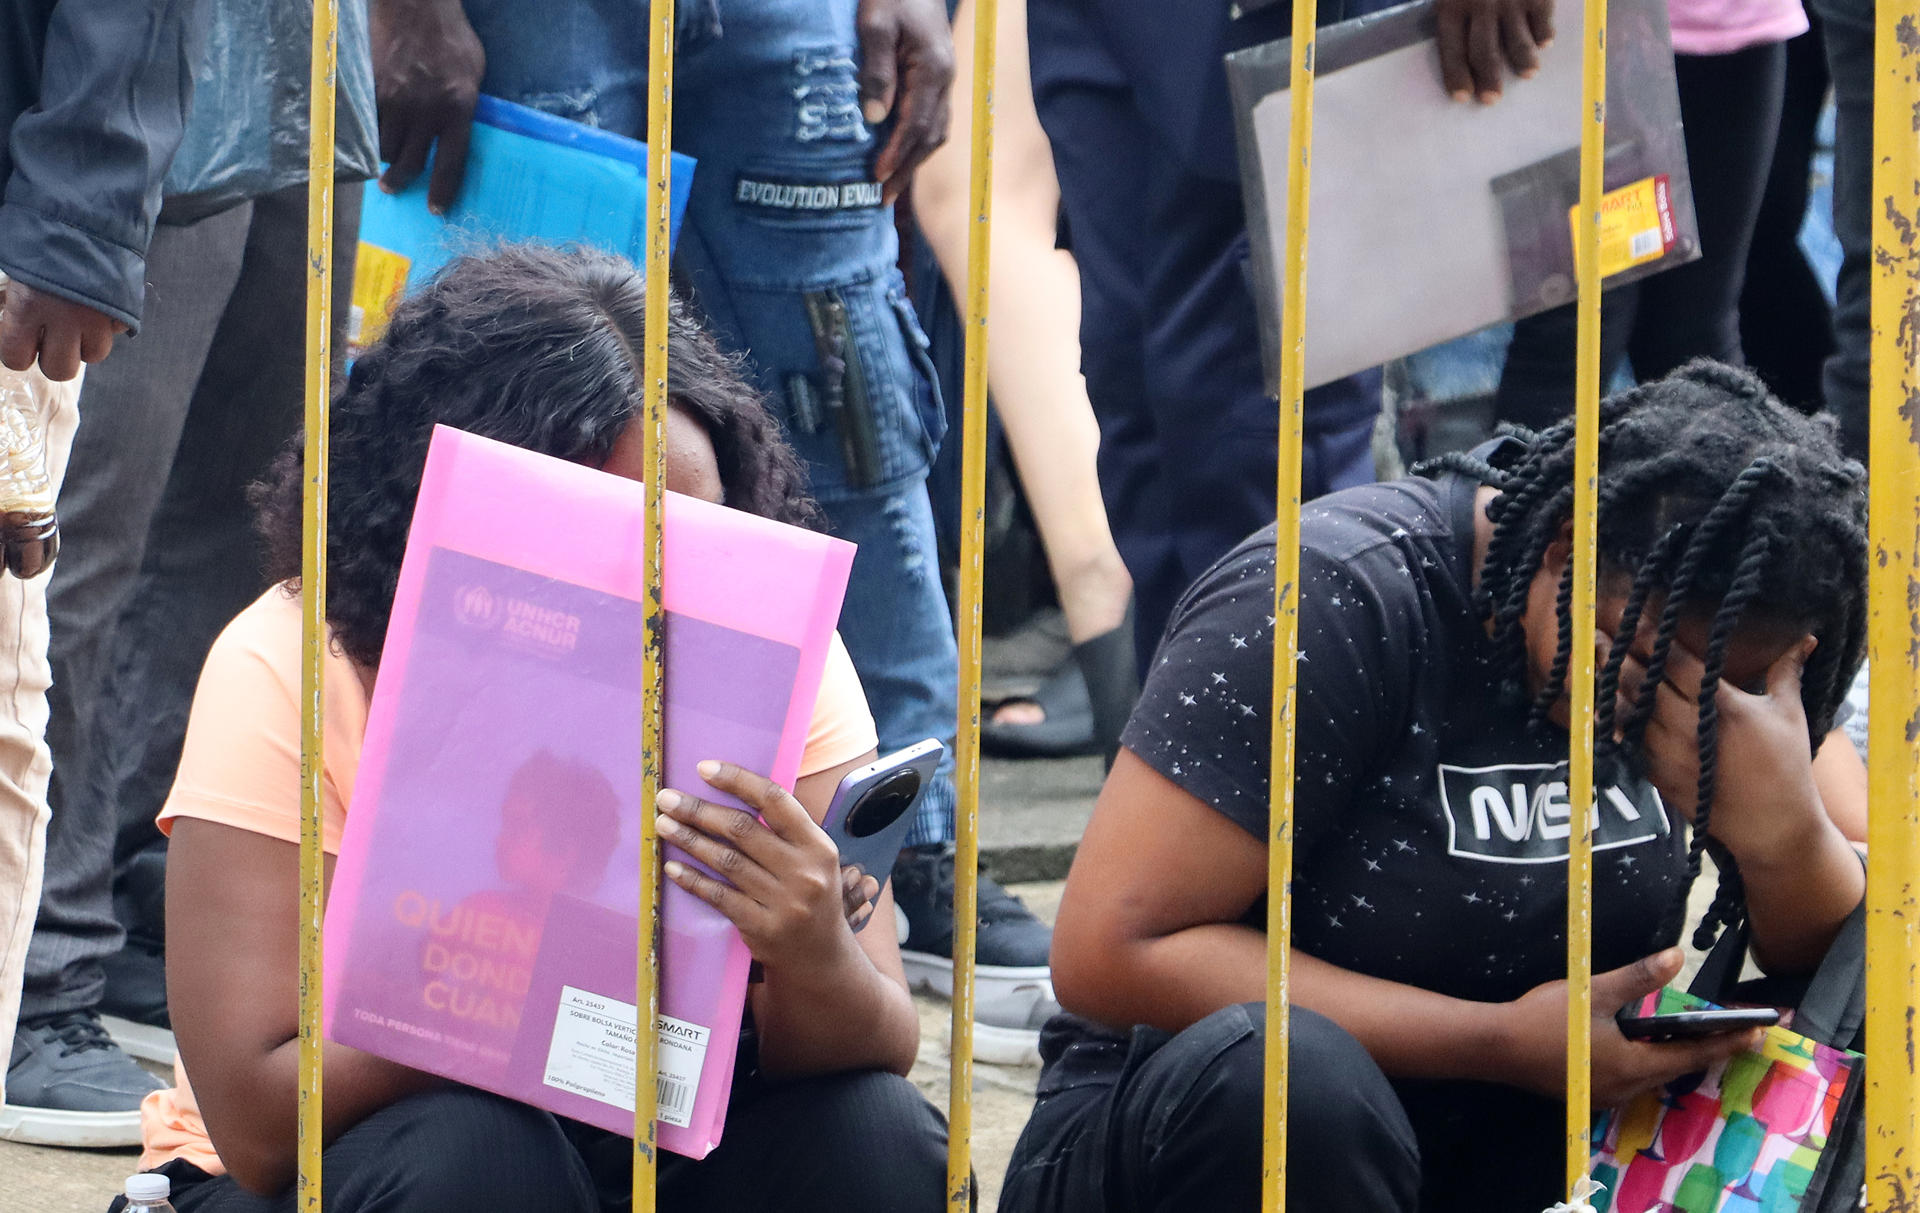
(1033, 362)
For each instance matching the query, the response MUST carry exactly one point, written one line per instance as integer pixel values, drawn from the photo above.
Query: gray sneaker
(1013, 985)
(68, 1084)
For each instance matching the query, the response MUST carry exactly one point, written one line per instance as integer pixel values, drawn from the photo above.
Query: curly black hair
(1726, 501)
(534, 346)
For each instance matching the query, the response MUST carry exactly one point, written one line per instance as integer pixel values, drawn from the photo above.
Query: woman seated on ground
(540, 349)
(1431, 815)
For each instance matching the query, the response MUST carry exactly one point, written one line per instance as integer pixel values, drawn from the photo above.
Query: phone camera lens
(883, 806)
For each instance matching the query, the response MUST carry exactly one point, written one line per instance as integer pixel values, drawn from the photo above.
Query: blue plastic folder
(530, 176)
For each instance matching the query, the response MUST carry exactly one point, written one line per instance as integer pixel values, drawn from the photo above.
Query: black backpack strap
(1720, 971)
(1834, 1009)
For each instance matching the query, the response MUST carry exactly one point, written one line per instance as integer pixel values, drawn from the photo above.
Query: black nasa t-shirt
(1431, 822)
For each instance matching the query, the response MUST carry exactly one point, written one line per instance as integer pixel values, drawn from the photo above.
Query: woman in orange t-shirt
(540, 349)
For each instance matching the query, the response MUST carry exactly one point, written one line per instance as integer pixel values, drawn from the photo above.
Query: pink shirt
(1720, 27)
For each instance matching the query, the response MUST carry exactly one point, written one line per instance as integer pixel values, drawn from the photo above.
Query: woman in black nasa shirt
(1432, 815)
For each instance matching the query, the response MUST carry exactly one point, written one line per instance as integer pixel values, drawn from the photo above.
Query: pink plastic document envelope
(482, 914)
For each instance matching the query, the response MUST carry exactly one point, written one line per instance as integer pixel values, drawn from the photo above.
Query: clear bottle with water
(148, 1194)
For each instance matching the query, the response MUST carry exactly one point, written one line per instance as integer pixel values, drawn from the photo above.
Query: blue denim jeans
(788, 254)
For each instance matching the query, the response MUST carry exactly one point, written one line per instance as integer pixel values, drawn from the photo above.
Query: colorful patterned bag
(1774, 1130)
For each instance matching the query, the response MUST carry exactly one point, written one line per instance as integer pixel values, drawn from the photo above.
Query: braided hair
(1725, 501)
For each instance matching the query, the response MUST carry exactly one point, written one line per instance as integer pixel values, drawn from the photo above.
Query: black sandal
(1112, 681)
(1086, 700)
(1067, 730)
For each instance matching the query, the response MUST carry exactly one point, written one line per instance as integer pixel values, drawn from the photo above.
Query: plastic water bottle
(29, 534)
(148, 1194)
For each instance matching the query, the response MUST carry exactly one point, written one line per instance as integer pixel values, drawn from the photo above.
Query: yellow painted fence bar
(653, 416)
(1286, 610)
(1586, 455)
(313, 583)
(1893, 637)
(973, 495)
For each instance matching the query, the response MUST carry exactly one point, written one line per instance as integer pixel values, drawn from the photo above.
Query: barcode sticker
(681, 1057)
(592, 1054)
(675, 1100)
(1636, 225)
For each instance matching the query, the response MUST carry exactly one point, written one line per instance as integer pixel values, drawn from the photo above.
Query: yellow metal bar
(653, 416)
(1893, 636)
(1586, 455)
(1286, 610)
(973, 497)
(313, 583)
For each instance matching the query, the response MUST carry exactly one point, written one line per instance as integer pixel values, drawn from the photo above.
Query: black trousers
(846, 1143)
(1133, 97)
(1847, 27)
(1731, 105)
(1786, 323)
(1152, 1123)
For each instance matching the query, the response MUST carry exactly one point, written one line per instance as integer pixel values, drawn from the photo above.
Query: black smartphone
(1692, 1025)
(872, 809)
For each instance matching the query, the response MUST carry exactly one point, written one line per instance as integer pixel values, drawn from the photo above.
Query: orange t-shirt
(241, 767)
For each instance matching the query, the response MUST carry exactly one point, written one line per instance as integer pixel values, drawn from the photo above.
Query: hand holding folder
(529, 176)
(1430, 219)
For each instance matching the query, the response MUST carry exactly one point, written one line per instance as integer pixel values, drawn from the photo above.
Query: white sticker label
(593, 1054)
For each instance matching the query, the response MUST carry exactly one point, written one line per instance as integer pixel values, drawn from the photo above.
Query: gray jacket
(93, 98)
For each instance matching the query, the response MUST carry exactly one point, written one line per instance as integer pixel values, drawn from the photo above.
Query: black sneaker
(1013, 986)
(68, 1084)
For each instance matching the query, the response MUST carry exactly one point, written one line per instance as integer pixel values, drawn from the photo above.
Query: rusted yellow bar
(313, 582)
(1893, 635)
(973, 498)
(1286, 609)
(653, 416)
(1586, 455)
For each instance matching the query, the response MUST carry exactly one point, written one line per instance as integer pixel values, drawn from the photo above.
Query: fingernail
(1544, 43)
(709, 769)
(1530, 73)
(665, 826)
(1461, 94)
(875, 111)
(439, 211)
(675, 869)
(668, 800)
(1488, 98)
